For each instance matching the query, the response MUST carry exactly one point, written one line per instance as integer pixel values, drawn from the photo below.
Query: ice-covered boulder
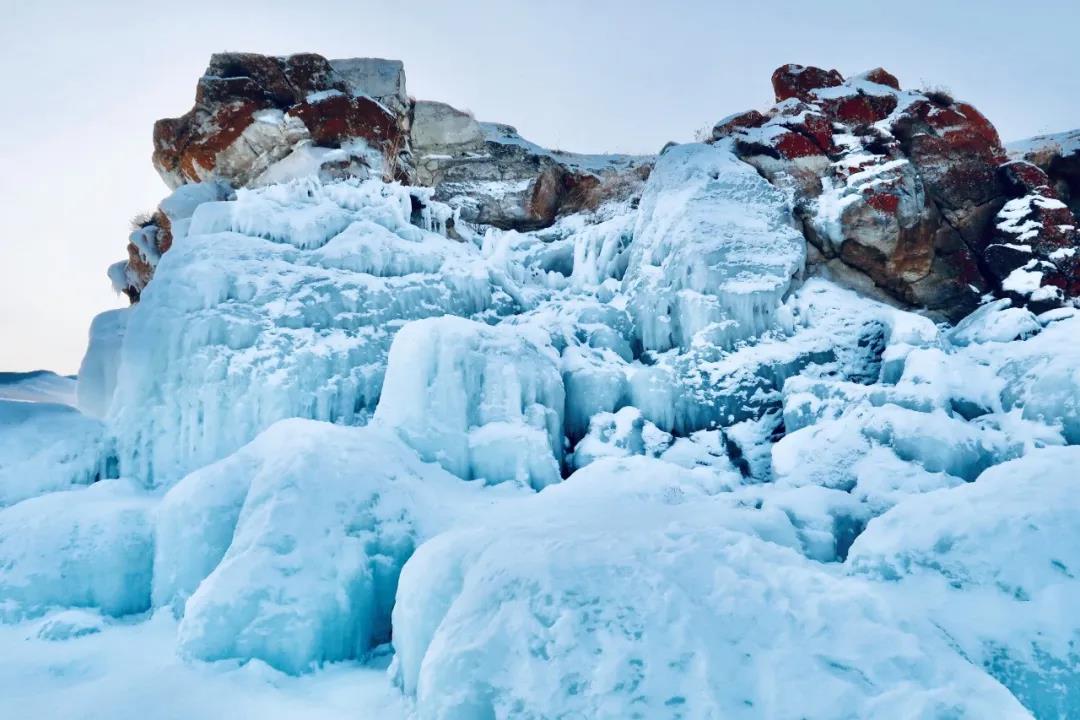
(483, 401)
(280, 303)
(289, 549)
(90, 547)
(1003, 549)
(590, 601)
(619, 434)
(714, 248)
(47, 446)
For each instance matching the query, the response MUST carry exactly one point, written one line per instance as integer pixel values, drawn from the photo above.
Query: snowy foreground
(336, 464)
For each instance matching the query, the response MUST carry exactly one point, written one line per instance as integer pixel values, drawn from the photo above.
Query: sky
(84, 81)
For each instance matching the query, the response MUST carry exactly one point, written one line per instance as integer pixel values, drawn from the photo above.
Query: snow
(130, 671)
(714, 248)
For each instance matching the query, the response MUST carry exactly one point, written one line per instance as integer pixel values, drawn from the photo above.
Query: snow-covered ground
(73, 664)
(634, 465)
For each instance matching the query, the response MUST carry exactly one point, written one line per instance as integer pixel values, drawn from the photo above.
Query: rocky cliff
(906, 194)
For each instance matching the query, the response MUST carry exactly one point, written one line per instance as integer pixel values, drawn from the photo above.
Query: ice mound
(483, 401)
(237, 331)
(715, 247)
(46, 447)
(620, 434)
(593, 603)
(289, 550)
(90, 547)
(70, 624)
(1003, 551)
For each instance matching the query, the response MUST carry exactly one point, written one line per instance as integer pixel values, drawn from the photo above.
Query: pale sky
(83, 83)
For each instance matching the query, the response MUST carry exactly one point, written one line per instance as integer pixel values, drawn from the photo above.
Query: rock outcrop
(1059, 157)
(908, 194)
(904, 187)
(252, 111)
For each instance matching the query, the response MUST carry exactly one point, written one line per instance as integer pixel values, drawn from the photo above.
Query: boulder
(382, 80)
(799, 81)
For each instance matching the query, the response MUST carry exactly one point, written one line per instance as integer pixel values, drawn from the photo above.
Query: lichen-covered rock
(903, 187)
(799, 81)
(1033, 253)
(1059, 156)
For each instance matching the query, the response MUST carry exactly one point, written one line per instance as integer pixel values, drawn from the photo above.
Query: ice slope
(714, 249)
(280, 303)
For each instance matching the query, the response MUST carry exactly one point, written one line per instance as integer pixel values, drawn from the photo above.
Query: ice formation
(288, 553)
(482, 401)
(714, 249)
(277, 304)
(572, 443)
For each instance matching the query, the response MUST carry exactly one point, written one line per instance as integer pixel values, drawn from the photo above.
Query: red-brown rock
(301, 98)
(798, 81)
(881, 76)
